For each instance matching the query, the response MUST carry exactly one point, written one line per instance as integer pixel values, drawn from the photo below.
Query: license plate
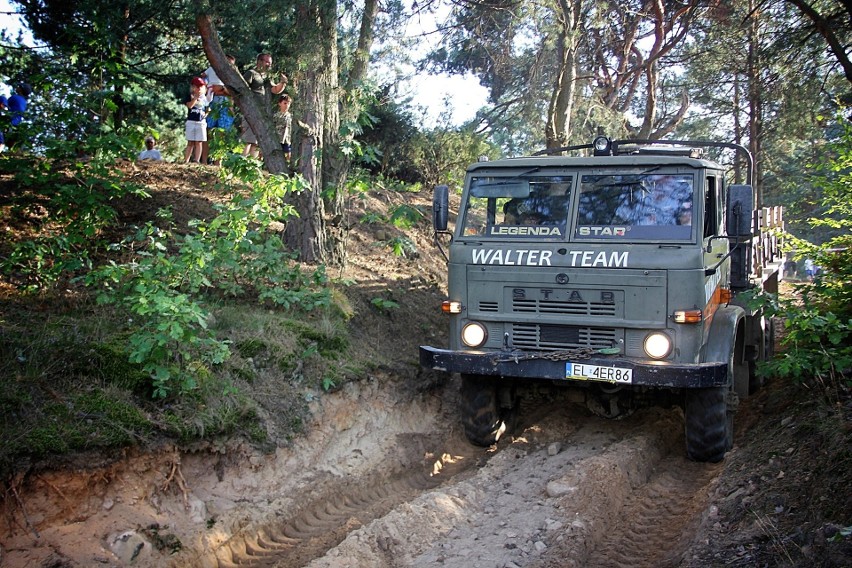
(583, 372)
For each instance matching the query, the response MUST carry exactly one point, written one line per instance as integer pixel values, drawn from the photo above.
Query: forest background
(774, 76)
(770, 75)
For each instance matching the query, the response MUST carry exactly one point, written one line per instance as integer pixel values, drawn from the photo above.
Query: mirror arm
(438, 243)
(737, 242)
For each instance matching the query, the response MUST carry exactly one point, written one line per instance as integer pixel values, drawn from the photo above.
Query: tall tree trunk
(335, 164)
(558, 129)
(307, 233)
(342, 109)
(118, 96)
(738, 127)
(755, 119)
(650, 118)
(361, 58)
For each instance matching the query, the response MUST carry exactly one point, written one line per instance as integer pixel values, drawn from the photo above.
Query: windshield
(534, 207)
(641, 206)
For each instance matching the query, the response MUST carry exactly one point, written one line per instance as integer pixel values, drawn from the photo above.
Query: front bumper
(526, 365)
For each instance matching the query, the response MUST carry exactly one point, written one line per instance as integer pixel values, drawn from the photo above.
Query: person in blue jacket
(16, 107)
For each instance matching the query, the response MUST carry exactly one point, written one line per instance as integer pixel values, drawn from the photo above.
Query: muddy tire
(709, 429)
(484, 420)
(709, 416)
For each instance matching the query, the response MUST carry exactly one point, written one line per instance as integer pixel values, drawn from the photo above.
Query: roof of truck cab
(643, 160)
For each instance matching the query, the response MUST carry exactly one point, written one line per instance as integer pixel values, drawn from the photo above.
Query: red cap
(197, 81)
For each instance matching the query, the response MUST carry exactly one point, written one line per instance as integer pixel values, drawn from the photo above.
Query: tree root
(177, 476)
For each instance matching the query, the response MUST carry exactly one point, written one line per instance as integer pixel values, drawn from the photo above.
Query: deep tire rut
(389, 484)
(327, 520)
(550, 498)
(655, 524)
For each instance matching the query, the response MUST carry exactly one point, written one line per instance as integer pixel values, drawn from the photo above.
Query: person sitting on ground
(150, 153)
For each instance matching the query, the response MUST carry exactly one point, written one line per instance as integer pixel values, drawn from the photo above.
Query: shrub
(818, 342)
(67, 203)
(167, 285)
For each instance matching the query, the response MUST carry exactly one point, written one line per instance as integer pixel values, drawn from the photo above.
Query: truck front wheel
(709, 427)
(485, 414)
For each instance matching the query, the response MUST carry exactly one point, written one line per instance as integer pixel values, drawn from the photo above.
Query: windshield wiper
(524, 174)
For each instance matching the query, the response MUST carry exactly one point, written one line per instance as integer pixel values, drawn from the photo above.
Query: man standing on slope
(259, 83)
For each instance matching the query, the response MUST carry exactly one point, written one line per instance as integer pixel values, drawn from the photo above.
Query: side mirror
(440, 207)
(740, 210)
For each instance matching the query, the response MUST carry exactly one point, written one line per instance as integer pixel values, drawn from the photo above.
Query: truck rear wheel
(764, 351)
(484, 418)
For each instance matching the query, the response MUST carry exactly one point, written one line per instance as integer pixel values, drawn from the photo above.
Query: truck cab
(618, 274)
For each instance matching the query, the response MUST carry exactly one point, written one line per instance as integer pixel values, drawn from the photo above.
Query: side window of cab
(713, 206)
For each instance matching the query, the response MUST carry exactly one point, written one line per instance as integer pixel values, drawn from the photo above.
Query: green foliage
(224, 144)
(383, 305)
(327, 339)
(372, 218)
(67, 203)
(353, 126)
(165, 288)
(391, 133)
(834, 179)
(251, 347)
(403, 246)
(205, 415)
(442, 156)
(818, 342)
(59, 391)
(406, 216)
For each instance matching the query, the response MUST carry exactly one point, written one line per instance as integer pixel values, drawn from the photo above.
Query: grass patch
(66, 383)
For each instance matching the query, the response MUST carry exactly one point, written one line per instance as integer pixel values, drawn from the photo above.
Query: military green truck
(619, 273)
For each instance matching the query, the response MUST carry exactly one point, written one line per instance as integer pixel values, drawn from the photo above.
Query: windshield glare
(624, 206)
(635, 206)
(533, 207)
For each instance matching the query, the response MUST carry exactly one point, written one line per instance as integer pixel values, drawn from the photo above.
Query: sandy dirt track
(387, 482)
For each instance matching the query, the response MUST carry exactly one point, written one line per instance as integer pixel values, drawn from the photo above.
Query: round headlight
(474, 334)
(658, 345)
(601, 144)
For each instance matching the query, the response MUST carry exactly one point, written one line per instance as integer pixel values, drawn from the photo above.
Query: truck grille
(536, 306)
(546, 337)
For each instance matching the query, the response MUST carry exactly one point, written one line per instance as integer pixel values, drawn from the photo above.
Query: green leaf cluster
(169, 281)
(384, 305)
(67, 202)
(406, 216)
(818, 322)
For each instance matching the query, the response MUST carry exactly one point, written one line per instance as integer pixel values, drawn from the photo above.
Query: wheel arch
(727, 334)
